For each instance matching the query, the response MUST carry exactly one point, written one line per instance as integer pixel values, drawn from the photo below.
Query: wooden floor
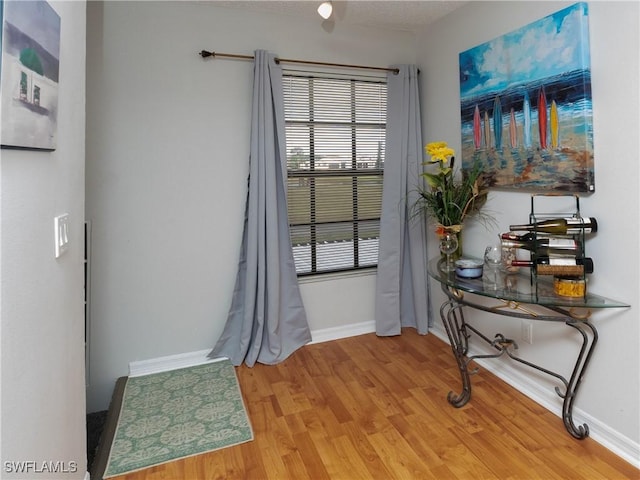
(370, 407)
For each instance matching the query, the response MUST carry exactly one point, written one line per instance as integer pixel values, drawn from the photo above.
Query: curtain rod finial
(205, 54)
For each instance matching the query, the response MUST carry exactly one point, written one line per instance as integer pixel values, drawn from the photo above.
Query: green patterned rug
(176, 414)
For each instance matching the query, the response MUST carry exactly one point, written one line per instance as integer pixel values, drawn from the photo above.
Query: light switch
(61, 225)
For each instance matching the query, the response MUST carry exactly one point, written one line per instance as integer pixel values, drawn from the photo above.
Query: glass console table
(519, 297)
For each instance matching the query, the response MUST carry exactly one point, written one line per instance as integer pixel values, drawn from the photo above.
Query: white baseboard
(600, 432)
(344, 331)
(170, 362)
(191, 359)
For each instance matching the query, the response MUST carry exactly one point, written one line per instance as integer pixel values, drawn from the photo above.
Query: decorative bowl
(468, 268)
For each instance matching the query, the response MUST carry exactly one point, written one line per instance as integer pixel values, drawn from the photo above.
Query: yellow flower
(445, 199)
(439, 151)
(435, 146)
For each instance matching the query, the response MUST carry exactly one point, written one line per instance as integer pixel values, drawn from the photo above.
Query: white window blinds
(335, 130)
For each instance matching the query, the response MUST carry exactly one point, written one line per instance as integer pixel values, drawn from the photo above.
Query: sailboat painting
(533, 86)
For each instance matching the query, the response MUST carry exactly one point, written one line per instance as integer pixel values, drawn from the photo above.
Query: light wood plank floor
(369, 407)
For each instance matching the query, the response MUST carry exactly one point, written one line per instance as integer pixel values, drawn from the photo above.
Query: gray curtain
(267, 321)
(401, 283)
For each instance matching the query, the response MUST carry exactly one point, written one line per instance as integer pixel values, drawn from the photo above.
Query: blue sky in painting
(38, 20)
(542, 49)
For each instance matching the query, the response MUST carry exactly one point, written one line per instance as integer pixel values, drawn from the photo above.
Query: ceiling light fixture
(325, 10)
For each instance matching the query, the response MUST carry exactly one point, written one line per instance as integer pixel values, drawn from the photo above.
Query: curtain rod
(205, 54)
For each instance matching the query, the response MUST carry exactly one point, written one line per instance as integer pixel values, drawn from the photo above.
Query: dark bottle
(547, 246)
(525, 237)
(562, 266)
(561, 226)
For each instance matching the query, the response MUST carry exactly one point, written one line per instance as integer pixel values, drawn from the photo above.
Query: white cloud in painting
(545, 48)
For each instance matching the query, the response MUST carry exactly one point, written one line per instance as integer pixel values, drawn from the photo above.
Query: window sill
(327, 277)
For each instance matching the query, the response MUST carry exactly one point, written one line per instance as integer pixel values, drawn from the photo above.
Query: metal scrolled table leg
(453, 322)
(588, 343)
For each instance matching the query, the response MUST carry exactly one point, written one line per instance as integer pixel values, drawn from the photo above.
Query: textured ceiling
(390, 14)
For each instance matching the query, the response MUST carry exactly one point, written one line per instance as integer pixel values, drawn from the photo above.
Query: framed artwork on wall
(526, 110)
(29, 75)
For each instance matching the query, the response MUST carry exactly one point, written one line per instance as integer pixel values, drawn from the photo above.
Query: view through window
(335, 130)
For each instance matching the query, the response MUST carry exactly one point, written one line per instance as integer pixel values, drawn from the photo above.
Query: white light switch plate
(61, 225)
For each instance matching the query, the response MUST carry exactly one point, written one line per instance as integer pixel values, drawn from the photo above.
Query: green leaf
(434, 181)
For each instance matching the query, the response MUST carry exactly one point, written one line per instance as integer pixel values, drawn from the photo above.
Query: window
(23, 85)
(335, 130)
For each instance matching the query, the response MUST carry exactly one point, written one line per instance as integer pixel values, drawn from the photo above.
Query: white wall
(41, 297)
(167, 161)
(610, 391)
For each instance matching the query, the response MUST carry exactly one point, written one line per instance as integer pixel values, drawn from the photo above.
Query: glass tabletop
(519, 287)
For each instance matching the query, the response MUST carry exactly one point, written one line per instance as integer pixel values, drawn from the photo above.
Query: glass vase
(441, 230)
